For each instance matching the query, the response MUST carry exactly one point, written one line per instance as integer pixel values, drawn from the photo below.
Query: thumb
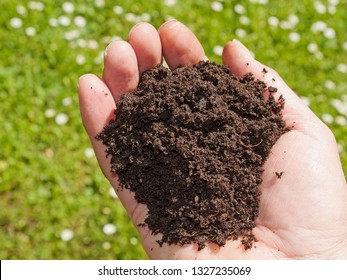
(296, 114)
(240, 61)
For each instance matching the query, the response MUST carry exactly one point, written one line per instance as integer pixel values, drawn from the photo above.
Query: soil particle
(279, 174)
(191, 144)
(272, 89)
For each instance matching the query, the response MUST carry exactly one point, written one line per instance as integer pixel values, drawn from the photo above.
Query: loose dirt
(191, 144)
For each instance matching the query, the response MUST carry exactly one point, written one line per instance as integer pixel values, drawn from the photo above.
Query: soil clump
(191, 144)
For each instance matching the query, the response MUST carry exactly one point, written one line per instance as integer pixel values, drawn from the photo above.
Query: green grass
(47, 183)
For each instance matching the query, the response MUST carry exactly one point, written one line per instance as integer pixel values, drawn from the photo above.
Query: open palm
(303, 214)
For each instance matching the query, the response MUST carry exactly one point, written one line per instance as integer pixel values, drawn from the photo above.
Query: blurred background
(54, 201)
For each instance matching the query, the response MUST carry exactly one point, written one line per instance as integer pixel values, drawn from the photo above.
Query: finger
(96, 103)
(97, 108)
(145, 41)
(297, 115)
(240, 61)
(180, 45)
(121, 73)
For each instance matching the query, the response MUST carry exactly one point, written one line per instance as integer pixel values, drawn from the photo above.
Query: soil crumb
(191, 144)
(279, 174)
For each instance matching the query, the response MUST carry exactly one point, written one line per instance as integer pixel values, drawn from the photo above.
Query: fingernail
(242, 47)
(169, 22)
(133, 28)
(79, 80)
(106, 49)
(108, 46)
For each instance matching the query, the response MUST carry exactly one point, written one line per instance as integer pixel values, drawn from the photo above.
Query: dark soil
(191, 144)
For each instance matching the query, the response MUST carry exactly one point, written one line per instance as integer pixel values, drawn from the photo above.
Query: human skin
(302, 215)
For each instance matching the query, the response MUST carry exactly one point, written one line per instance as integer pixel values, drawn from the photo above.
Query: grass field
(55, 203)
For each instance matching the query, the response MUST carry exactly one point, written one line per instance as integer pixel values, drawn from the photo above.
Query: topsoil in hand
(191, 144)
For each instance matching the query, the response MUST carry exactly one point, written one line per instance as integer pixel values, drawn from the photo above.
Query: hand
(302, 215)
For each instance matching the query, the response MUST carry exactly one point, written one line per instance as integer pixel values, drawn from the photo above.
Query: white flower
(67, 101)
(82, 43)
(241, 33)
(71, 35)
(53, 22)
(112, 193)
(333, 2)
(89, 152)
(320, 8)
(329, 33)
(80, 59)
(170, 3)
(312, 47)
(131, 17)
(33, 5)
(92, 44)
(239, 9)
(244, 20)
(294, 37)
(273, 21)
(3, 165)
(341, 67)
(145, 17)
(49, 113)
(336, 102)
(64, 21)
(340, 106)
(341, 120)
(118, 10)
(109, 229)
(218, 50)
(339, 147)
(332, 9)
(73, 44)
(263, 2)
(100, 3)
(80, 21)
(327, 118)
(133, 240)
(106, 245)
(319, 55)
(330, 84)
(100, 58)
(318, 26)
(68, 7)
(66, 234)
(217, 6)
(306, 100)
(106, 210)
(285, 24)
(61, 119)
(21, 10)
(16, 22)
(30, 31)
(293, 19)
